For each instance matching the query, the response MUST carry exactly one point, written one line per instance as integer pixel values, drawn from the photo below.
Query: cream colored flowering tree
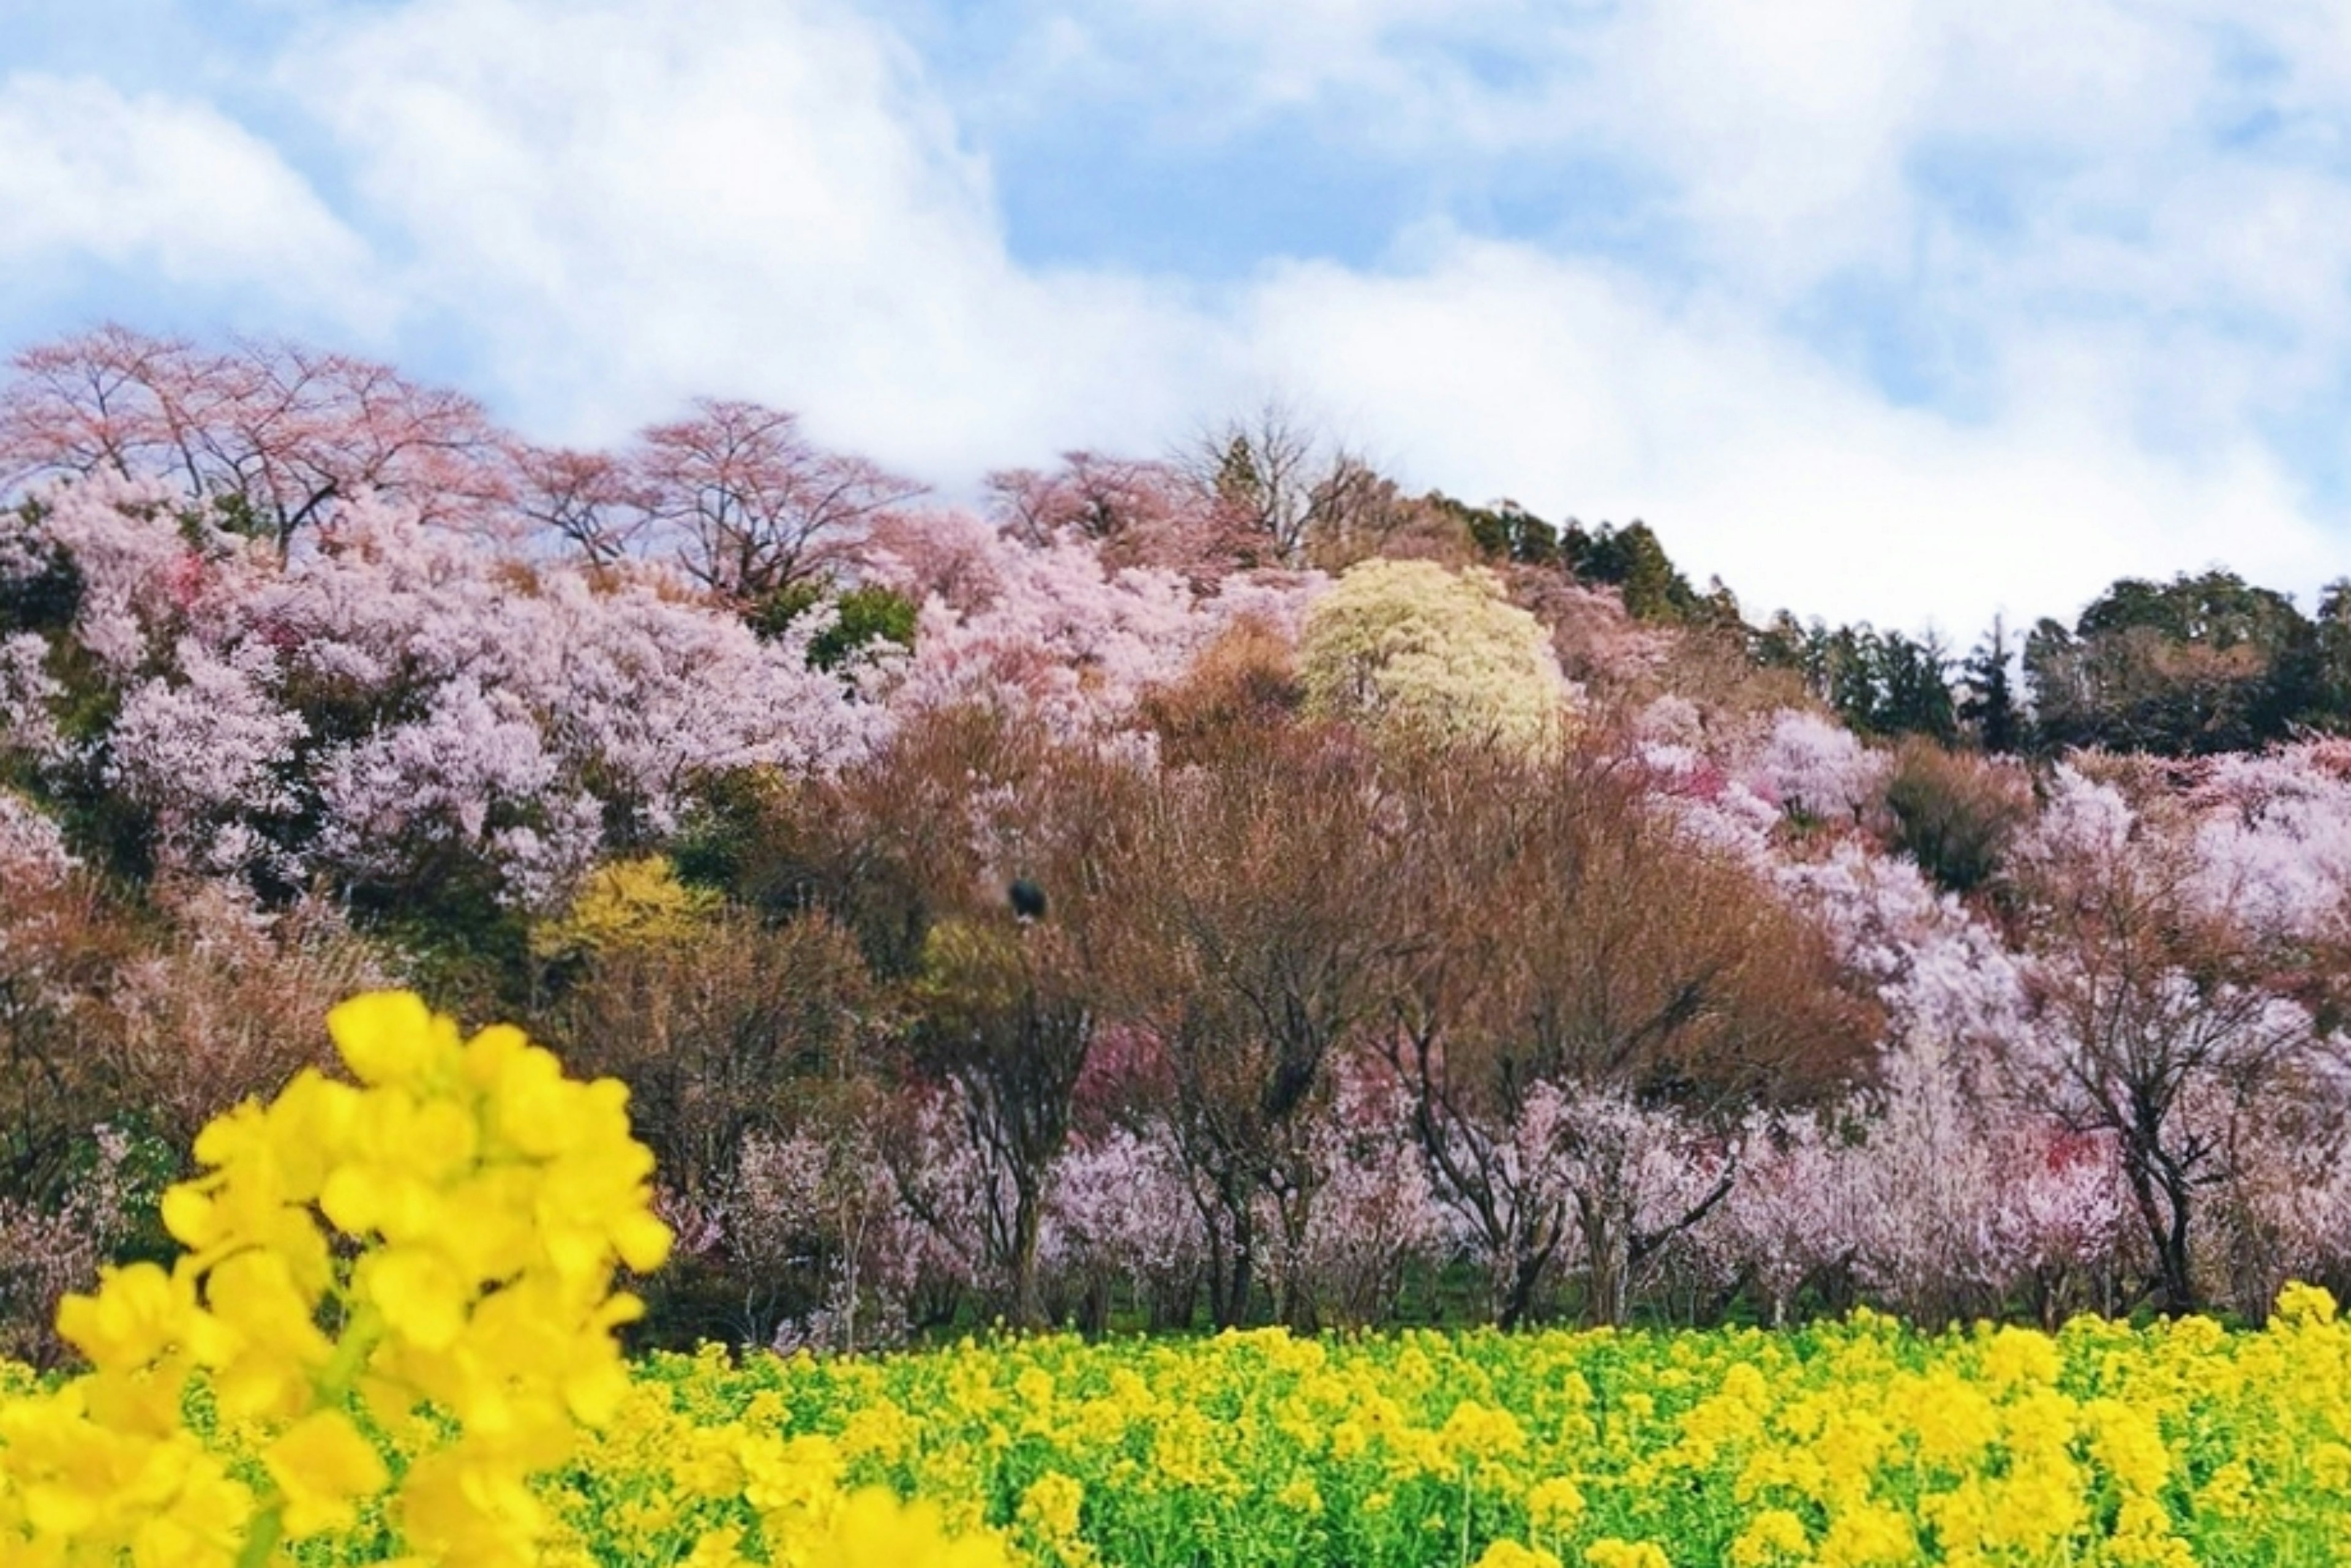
(1413, 649)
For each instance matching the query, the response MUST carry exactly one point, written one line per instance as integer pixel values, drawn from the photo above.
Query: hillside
(1218, 886)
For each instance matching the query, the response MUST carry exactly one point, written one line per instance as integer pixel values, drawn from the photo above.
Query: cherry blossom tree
(1134, 512)
(28, 726)
(1815, 768)
(1711, 808)
(1122, 1213)
(586, 499)
(1936, 1194)
(399, 695)
(1936, 968)
(1374, 1218)
(2153, 1026)
(206, 751)
(816, 1223)
(138, 575)
(2287, 1214)
(31, 848)
(2273, 840)
(1793, 1218)
(1051, 631)
(750, 506)
(272, 434)
(2060, 1222)
(1288, 494)
(222, 1004)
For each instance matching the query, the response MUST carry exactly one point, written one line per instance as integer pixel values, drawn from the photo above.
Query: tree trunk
(1028, 1218)
(2162, 1204)
(1608, 1301)
(1298, 1309)
(1233, 1309)
(1527, 1266)
(1219, 1273)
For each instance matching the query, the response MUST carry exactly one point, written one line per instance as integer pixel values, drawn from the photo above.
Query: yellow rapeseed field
(391, 1339)
(1857, 1443)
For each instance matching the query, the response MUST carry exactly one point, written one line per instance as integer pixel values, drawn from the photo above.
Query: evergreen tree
(2200, 664)
(1913, 688)
(1633, 560)
(1989, 708)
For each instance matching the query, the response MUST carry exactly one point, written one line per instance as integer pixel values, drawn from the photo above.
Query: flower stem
(262, 1540)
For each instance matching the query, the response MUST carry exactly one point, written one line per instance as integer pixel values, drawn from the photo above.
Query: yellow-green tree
(628, 902)
(1408, 648)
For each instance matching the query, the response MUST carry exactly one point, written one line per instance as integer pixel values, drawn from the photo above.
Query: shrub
(1955, 814)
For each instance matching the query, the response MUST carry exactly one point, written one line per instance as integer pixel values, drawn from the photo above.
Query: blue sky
(1906, 310)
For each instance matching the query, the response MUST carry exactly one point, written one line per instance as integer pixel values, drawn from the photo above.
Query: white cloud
(640, 202)
(631, 203)
(619, 203)
(1572, 387)
(1391, 73)
(2141, 297)
(163, 183)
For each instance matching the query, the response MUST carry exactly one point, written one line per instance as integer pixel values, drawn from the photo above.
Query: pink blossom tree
(1792, 1219)
(208, 750)
(275, 434)
(2152, 1025)
(28, 725)
(2273, 840)
(1372, 1217)
(397, 694)
(586, 499)
(817, 1206)
(1135, 512)
(1122, 1212)
(1814, 767)
(749, 505)
(1053, 631)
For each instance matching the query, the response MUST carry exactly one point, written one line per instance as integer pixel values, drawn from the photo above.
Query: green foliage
(2201, 665)
(113, 833)
(2217, 609)
(744, 836)
(2328, 697)
(44, 599)
(1878, 683)
(460, 943)
(866, 619)
(235, 512)
(1238, 479)
(104, 828)
(1990, 708)
(1505, 531)
(1631, 559)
